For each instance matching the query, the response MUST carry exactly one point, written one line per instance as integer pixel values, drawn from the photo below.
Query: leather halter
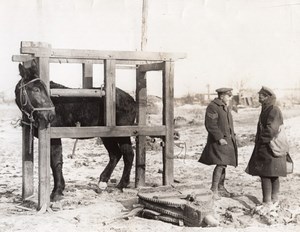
(27, 101)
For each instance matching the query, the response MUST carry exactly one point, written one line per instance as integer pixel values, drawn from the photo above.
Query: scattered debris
(24, 208)
(126, 216)
(179, 206)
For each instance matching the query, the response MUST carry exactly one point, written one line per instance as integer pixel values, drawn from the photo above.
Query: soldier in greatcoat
(221, 148)
(263, 163)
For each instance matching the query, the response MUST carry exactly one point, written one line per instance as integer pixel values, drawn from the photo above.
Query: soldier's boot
(267, 205)
(221, 188)
(266, 186)
(215, 181)
(275, 190)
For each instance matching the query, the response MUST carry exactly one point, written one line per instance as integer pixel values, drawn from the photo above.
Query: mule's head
(32, 96)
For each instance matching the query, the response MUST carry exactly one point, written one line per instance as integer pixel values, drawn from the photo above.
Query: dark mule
(34, 101)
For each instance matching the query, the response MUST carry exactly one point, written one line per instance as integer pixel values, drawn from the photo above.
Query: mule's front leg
(114, 157)
(56, 166)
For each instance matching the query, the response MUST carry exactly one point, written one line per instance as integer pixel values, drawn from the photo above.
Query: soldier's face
(226, 98)
(262, 97)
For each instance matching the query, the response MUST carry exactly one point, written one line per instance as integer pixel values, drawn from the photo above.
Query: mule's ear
(34, 66)
(22, 71)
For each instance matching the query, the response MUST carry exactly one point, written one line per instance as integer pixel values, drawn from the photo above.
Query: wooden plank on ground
(103, 131)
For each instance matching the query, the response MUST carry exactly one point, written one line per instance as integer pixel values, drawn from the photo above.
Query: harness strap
(33, 80)
(44, 108)
(27, 100)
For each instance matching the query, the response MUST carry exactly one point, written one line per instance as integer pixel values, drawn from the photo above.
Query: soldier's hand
(222, 142)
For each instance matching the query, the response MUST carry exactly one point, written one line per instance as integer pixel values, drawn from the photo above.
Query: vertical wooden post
(43, 63)
(27, 163)
(168, 117)
(87, 76)
(141, 98)
(44, 168)
(44, 146)
(110, 92)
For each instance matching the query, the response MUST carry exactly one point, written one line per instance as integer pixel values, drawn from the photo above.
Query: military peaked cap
(266, 91)
(224, 91)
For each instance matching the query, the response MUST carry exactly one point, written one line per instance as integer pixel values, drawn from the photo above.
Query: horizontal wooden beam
(77, 92)
(116, 55)
(22, 58)
(121, 64)
(39, 50)
(103, 131)
(151, 67)
(34, 44)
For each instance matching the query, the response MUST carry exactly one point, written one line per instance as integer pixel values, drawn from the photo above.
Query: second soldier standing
(221, 148)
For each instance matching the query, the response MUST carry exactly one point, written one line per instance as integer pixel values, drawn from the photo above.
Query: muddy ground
(85, 208)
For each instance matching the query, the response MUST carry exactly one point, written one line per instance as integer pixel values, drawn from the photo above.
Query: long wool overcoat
(263, 162)
(219, 125)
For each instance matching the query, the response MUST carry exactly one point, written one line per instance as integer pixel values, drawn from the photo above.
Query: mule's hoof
(56, 197)
(102, 185)
(122, 185)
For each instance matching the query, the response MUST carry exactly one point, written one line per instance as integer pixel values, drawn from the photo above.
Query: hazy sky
(226, 41)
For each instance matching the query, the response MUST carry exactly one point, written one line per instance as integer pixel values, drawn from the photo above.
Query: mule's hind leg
(115, 154)
(56, 166)
(128, 155)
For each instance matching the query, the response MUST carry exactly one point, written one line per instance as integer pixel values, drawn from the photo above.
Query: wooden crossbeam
(35, 44)
(77, 93)
(100, 55)
(105, 131)
(117, 55)
(151, 67)
(22, 58)
(120, 64)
